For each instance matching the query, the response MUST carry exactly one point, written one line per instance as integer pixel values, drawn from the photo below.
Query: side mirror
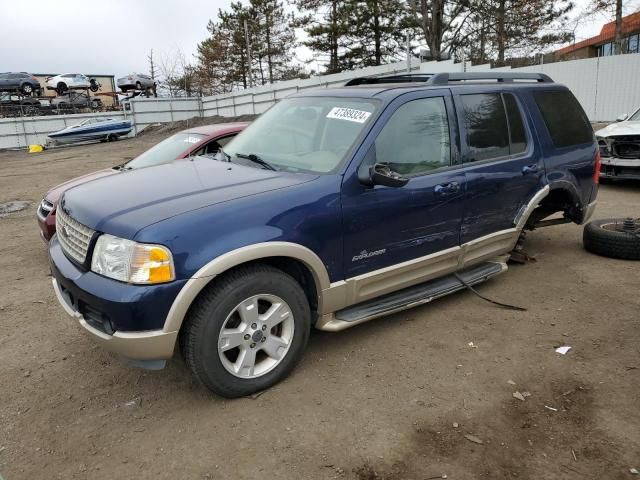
(622, 117)
(382, 175)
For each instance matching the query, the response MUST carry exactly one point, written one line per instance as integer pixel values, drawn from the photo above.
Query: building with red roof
(602, 45)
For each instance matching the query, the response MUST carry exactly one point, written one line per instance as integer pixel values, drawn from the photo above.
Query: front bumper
(126, 319)
(149, 345)
(612, 167)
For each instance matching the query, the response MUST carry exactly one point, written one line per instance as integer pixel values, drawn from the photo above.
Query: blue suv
(334, 207)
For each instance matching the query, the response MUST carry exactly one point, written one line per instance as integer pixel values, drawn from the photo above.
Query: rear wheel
(61, 88)
(616, 237)
(247, 331)
(138, 86)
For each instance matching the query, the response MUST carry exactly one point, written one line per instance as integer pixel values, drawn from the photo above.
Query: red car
(205, 140)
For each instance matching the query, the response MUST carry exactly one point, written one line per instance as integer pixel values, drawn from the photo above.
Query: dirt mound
(172, 127)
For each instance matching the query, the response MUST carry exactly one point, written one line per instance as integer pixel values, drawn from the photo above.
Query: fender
(237, 257)
(525, 212)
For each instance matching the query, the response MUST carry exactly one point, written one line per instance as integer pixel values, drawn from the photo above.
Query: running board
(412, 296)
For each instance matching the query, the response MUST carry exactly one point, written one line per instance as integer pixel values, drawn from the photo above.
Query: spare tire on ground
(613, 237)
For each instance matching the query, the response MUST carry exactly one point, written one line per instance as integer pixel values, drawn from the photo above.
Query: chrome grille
(45, 208)
(74, 237)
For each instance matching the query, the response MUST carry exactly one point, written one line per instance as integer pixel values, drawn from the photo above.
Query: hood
(56, 192)
(620, 128)
(123, 204)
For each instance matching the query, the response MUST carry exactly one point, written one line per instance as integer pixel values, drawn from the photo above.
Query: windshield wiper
(227, 157)
(256, 159)
(122, 167)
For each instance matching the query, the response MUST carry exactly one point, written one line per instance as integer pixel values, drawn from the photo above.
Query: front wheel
(247, 331)
(27, 89)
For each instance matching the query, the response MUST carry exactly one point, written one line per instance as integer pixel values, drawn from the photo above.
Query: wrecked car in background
(620, 147)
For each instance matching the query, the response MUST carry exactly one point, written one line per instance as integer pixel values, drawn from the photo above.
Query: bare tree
(170, 70)
(440, 22)
(610, 7)
(152, 67)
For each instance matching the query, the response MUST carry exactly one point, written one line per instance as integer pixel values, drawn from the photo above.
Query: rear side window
(494, 126)
(486, 125)
(566, 121)
(516, 127)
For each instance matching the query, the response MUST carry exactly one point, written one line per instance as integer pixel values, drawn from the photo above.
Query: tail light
(596, 168)
(49, 78)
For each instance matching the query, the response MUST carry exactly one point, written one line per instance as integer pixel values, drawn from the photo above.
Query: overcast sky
(115, 36)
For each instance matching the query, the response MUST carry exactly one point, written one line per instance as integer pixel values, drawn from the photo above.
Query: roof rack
(393, 78)
(446, 78)
(506, 77)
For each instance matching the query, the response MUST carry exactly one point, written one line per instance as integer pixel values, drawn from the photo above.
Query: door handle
(446, 189)
(530, 169)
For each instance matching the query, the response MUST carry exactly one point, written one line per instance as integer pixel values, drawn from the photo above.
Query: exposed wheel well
(558, 200)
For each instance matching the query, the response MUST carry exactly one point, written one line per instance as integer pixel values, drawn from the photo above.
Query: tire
(95, 105)
(112, 138)
(606, 237)
(61, 88)
(26, 89)
(219, 306)
(138, 86)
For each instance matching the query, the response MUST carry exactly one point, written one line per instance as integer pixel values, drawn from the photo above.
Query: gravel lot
(402, 397)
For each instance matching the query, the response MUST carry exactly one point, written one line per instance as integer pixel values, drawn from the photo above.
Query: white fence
(22, 131)
(605, 86)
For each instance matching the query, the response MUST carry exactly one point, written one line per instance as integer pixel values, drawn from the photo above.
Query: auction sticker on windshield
(350, 114)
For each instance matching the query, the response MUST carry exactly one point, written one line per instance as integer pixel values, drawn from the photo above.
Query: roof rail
(392, 78)
(446, 78)
(507, 77)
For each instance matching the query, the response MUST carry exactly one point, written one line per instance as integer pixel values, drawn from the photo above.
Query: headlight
(132, 262)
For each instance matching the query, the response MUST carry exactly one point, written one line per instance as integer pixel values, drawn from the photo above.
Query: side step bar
(413, 296)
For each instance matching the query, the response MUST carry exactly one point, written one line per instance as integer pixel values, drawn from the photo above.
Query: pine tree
(273, 39)
(522, 27)
(376, 33)
(326, 23)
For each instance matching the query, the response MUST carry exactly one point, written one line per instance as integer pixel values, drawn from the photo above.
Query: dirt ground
(402, 397)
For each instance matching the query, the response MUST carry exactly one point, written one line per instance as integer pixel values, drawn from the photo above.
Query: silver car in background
(136, 81)
(71, 81)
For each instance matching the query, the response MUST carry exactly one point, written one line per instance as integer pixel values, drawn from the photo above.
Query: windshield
(167, 150)
(311, 134)
(636, 116)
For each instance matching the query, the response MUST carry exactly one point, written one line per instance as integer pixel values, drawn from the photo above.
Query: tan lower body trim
(370, 285)
(329, 323)
(146, 345)
(588, 213)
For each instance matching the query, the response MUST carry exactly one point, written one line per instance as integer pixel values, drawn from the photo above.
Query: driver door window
(415, 140)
